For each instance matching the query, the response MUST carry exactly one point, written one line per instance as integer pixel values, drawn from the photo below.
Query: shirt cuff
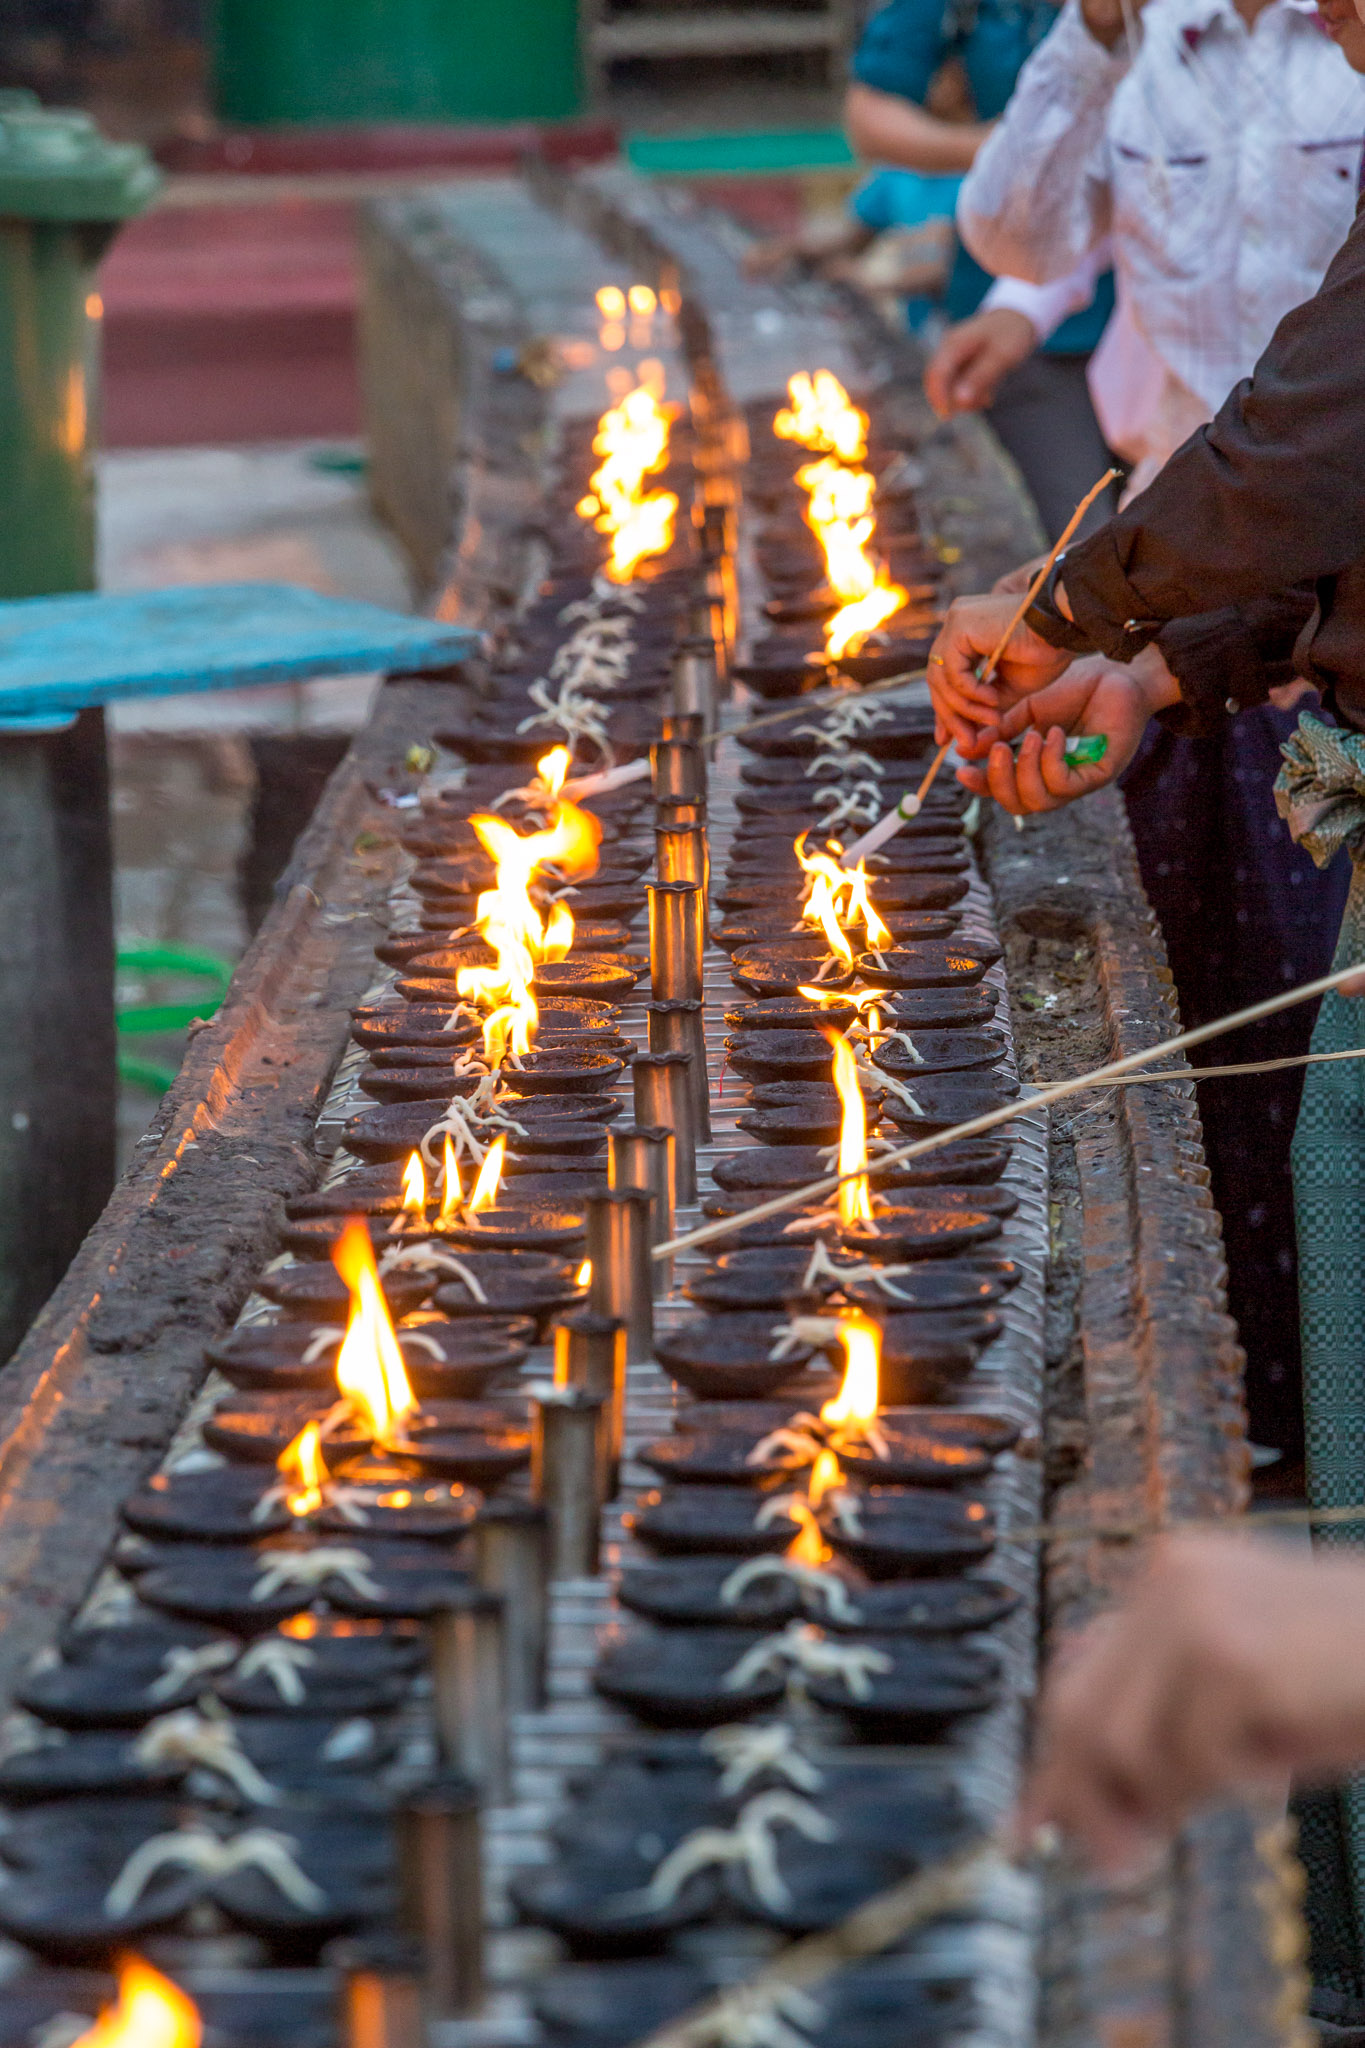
(1219, 667)
(1044, 306)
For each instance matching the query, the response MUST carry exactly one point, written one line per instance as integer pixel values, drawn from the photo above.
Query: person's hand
(1105, 19)
(974, 357)
(1094, 696)
(966, 640)
(1235, 1666)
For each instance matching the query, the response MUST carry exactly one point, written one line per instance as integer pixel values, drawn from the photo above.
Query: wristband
(1045, 618)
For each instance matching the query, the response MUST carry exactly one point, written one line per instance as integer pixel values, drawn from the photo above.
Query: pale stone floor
(181, 767)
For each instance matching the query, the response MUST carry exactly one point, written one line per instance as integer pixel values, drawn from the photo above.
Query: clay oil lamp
(446, 1359)
(930, 965)
(769, 1169)
(477, 1443)
(731, 1355)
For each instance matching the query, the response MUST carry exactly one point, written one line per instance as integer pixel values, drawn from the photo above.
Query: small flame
(490, 1173)
(632, 438)
(452, 1193)
(552, 769)
(370, 1369)
(611, 301)
(855, 1196)
(150, 2012)
(854, 1407)
(860, 909)
(825, 1473)
(822, 416)
(302, 1464)
(641, 300)
(846, 632)
(414, 1186)
(583, 1277)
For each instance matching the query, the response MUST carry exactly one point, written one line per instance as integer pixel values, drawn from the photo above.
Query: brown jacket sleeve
(1270, 494)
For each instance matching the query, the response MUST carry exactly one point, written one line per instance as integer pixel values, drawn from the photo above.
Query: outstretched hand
(1093, 698)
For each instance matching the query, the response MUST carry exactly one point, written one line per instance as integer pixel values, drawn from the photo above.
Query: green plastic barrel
(63, 191)
(329, 62)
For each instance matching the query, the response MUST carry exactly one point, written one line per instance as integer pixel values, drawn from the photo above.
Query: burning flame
(512, 925)
(552, 768)
(823, 416)
(150, 2012)
(855, 1196)
(839, 898)
(632, 438)
(839, 508)
(485, 1192)
(641, 300)
(611, 302)
(370, 1369)
(452, 1193)
(583, 1277)
(846, 632)
(854, 1407)
(415, 1186)
(301, 1463)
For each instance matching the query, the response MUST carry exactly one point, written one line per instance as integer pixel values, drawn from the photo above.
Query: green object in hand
(1082, 749)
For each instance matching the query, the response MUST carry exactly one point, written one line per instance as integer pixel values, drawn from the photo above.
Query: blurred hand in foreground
(1234, 1666)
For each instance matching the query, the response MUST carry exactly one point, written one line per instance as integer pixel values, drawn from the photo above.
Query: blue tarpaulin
(59, 655)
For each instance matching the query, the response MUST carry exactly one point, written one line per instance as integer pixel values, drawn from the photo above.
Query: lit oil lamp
(150, 2012)
(632, 439)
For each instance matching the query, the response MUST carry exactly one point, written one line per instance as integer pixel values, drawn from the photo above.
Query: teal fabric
(903, 46)
(1320, 792)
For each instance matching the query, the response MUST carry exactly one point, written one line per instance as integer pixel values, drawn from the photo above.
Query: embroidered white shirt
(1223, 164)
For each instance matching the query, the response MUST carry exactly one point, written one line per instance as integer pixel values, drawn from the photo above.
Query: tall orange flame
(552, 768)
(855, 1196)
(150, 2012)
(513, 926)
(822, 416)
(632, 438)
(855, 1405)
(370, 1369)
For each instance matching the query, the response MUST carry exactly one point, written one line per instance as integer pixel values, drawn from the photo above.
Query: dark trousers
(1245, 914)
(1044, 417)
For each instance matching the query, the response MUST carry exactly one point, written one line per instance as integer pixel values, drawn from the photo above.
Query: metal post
(642, 1156)
(681, 853)
(440, 1892)
(681, 725)
(590, 1352)
(511, 1559)
(663, 1095)
(677, 810)
(676, 910)
(566, 1465)
(470, 1693)
(381, 1991)
(678, 768)
(622, 1282)
(681, 1027)
(694, 680)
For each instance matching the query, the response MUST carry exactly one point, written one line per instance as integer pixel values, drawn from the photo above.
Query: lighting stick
(816, 700)
(912, 802)
(1045, 1097)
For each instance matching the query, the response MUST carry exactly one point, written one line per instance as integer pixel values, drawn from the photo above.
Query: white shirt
(1223, 164)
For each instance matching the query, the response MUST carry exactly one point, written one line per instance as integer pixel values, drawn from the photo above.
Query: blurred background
(230, 434)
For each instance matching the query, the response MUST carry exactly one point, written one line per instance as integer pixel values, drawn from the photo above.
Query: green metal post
(63, 191)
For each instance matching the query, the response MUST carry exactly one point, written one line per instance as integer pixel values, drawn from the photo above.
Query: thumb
(945, 368)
